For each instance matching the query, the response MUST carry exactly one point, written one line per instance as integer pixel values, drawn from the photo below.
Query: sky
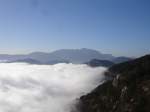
(118, 27)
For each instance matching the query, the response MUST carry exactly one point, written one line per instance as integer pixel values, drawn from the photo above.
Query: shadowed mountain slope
(128, 91)
(96, 63)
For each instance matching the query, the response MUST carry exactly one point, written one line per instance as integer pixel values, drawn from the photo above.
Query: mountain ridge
(70, 55)
(96, 63)
(127, 91)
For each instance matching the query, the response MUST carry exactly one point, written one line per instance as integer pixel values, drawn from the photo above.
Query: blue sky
(119, 27)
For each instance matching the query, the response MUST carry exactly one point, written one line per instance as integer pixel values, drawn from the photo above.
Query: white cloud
(45, 88)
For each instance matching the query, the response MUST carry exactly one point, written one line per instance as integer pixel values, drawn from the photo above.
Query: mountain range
(76, 56)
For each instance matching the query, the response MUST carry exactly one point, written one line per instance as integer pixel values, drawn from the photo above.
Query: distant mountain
(27, 60)
(8, 57)
(56, 62)
(128, 91)
(71, 55)
(80, 55)
(76, 56)
(121, 59)
(96, 63)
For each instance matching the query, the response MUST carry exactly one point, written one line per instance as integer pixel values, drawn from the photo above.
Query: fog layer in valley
(45, 88)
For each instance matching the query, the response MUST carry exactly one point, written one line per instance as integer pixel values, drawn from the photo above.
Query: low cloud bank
(45, 88)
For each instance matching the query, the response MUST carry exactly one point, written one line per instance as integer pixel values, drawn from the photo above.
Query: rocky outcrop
(128, 91)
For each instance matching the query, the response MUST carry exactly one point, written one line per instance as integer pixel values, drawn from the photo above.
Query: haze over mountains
(76, 56)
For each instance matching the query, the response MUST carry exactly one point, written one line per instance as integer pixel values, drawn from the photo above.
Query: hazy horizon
(117, 27)
(29, 52)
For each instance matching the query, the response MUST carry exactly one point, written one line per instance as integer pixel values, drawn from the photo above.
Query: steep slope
(129, 91)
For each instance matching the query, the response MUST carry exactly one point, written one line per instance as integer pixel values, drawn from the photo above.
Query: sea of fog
(45, 88)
